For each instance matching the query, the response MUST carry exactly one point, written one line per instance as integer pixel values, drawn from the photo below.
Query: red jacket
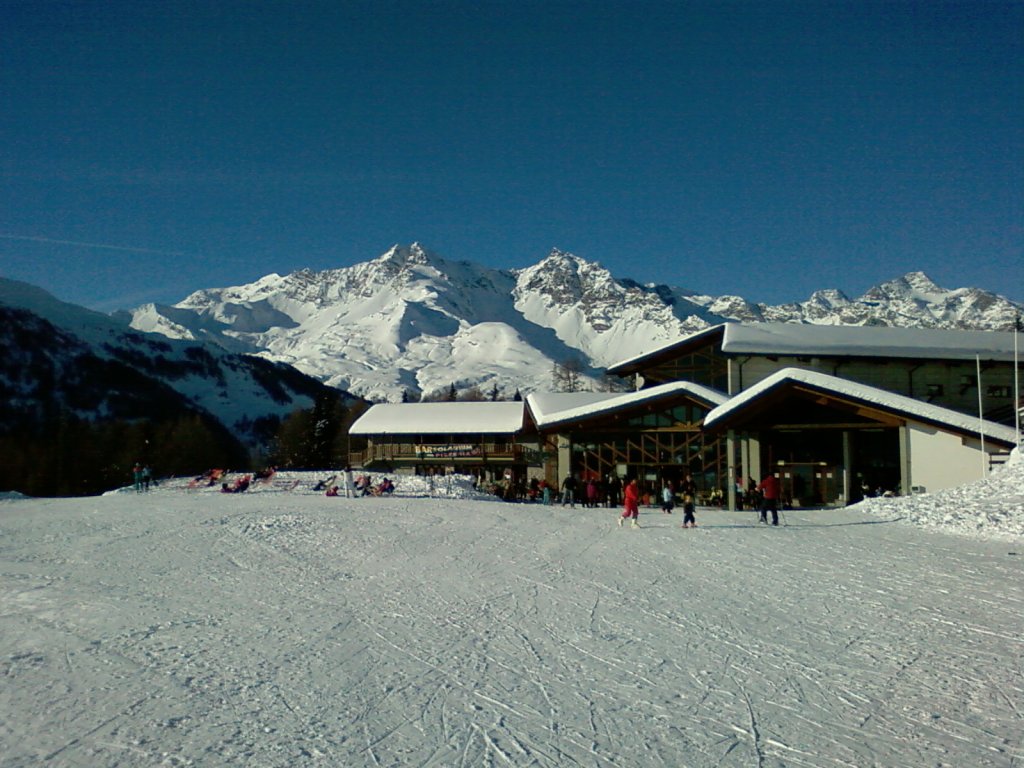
(632, 497)
(769, 487)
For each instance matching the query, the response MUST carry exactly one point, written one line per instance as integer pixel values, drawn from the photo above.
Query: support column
(755, 457)
(564, 443)
(847, 466)
(905, 460)
(730, 462)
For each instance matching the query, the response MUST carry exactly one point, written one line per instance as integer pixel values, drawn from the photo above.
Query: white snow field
(286, 628)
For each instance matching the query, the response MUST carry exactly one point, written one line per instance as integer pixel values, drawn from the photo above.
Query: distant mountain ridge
(60, 358)
(412, 321)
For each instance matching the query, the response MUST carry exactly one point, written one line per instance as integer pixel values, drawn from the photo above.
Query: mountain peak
(919, 281)
(404, 255)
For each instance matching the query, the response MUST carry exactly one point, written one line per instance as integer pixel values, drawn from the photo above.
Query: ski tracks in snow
(297, 630)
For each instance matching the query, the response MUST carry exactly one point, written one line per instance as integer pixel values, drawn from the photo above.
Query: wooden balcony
(449, 453)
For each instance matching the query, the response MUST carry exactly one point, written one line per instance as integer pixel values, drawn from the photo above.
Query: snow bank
(992, 508)
(300, 483)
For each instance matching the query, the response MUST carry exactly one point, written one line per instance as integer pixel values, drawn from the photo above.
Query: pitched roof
(455, 418)
(863, 393)
(555, 408)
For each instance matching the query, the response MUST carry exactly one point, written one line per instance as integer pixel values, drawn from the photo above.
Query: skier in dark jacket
(688, 490)
(569, 490)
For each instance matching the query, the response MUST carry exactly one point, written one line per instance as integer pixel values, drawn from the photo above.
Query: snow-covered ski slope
(277, 628)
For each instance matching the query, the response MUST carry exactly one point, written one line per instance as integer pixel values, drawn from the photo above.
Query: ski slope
(285, 628)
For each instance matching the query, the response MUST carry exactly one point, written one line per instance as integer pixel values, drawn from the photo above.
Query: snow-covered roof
(554, 408)
(456, 418)
(849, 341)
(685, 340)
(865, 393)
(865, 341)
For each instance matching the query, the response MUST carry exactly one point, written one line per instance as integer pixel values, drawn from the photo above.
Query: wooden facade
(655, 442)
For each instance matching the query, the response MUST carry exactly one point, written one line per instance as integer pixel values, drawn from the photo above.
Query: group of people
(687, 491)
(592, 492)
(358, 486)
(241, 485)
(142, 476)
(767, 490)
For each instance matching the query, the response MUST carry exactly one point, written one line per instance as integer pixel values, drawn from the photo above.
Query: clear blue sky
(769, 149)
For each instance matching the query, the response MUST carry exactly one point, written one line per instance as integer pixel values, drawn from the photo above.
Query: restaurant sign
(450, 451)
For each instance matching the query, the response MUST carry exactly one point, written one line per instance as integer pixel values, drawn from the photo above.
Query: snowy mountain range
(412, 321)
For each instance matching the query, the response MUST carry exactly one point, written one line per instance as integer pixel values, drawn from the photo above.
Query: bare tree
(472, 394)
(567, 376)
(609, 383)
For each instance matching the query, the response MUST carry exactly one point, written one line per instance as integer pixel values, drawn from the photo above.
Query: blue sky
(767, 149)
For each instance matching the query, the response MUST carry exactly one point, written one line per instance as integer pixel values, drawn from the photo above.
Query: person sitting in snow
(240, 486)
(332, 491)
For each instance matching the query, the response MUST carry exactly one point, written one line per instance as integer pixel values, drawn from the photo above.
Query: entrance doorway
(809, 484)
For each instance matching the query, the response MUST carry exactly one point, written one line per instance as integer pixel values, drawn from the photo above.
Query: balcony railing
(412, 453)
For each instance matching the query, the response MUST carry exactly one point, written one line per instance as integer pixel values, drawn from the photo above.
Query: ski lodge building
(834, 411)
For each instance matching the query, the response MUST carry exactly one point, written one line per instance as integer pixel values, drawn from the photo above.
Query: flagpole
(1016, 379)
(981, 420)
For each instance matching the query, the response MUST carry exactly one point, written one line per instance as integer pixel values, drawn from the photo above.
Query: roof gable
(546, 413)
(867, 397)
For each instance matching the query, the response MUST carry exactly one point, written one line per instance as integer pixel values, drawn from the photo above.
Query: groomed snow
(285, 628)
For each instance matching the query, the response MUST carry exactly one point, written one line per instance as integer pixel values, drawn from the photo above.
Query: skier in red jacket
(769, 488)
(632, 504)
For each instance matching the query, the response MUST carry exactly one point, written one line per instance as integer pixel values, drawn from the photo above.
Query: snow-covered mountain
(62, 358)
(413, 321)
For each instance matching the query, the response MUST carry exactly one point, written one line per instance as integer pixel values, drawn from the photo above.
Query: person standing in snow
(569, 490)
(631, 505)
(689, 491)
(614, 487)
(668, 498)
(350, 488)
(769, 488)
(137, 477)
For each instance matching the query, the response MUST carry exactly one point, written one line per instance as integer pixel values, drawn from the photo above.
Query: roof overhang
(767, 405)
